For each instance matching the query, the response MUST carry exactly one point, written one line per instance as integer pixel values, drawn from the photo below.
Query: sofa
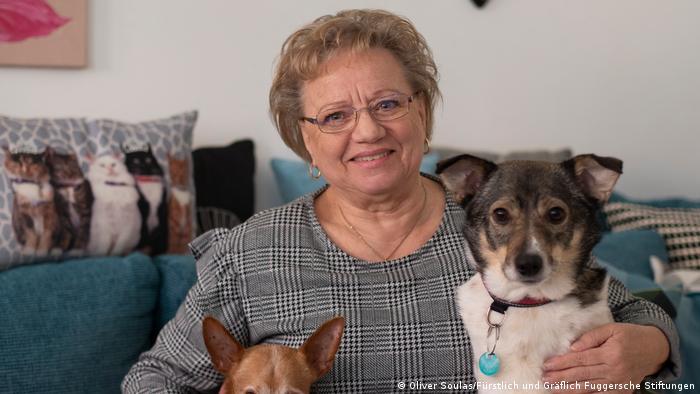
(78, 325)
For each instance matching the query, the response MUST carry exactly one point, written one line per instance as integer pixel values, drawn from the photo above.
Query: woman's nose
(367, 129)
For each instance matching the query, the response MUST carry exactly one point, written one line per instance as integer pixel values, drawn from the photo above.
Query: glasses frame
(356, 112)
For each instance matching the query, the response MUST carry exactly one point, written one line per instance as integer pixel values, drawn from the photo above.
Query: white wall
(613, 77)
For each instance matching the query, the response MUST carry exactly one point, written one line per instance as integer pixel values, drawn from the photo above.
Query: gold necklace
(403, 239)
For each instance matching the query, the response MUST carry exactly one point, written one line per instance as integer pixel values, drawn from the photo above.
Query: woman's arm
(642, 343)
(179, 362)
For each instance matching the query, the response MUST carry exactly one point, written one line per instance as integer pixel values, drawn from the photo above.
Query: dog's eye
(501, 216)
(556, 215)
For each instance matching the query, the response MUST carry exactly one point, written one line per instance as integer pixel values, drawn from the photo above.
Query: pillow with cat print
(45, 199)
(142, 184)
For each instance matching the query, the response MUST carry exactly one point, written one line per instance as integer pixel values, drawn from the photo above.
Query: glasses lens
(390, 108)
(335, 119)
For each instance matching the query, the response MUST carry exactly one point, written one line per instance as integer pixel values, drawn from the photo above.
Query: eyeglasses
(334, 119)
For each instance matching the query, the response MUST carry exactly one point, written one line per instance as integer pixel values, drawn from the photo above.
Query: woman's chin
(379, 183)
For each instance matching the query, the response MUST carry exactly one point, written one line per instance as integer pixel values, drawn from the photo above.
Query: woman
(381, 245)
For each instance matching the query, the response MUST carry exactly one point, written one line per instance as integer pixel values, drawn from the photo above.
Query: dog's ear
(319, 350)
(463, 175)
(595, 174)
(224, 350)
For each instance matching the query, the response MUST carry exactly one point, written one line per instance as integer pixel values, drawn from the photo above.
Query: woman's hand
(613, 353)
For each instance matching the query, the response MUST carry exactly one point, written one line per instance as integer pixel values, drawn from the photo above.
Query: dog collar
(489, 363)
(501, 306)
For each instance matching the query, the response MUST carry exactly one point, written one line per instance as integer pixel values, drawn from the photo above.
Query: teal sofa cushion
(177, 274)
(75, 326)
(629, 251)
(626, 256)
(633, 282)
(293, 180)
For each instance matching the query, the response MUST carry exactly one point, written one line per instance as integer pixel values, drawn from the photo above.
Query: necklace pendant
(489, 364)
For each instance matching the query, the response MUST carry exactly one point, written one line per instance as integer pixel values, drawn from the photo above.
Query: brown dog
(264, 368)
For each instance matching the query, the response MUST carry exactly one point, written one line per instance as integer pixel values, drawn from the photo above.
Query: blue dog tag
(489, 364)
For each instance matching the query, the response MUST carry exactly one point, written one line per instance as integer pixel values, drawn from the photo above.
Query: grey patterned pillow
(40, 176)
(148, 166)
(680, 228)
(70, 188)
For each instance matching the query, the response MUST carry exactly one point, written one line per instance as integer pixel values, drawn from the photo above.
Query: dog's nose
(528, 264)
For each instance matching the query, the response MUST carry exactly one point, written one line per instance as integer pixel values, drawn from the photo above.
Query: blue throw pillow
(177, 274)
(76, 326)
(633, 282)
(629, 251)
(293, 178)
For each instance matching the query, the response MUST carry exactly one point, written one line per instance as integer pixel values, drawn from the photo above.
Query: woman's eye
(556, 215)
(386, 105)
(335, 117)
(501, 216)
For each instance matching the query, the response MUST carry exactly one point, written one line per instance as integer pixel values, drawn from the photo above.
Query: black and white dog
(531, 227)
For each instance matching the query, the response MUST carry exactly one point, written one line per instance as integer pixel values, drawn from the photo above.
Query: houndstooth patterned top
(278, 276)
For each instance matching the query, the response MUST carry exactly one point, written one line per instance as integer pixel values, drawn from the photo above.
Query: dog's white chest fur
(528, 337)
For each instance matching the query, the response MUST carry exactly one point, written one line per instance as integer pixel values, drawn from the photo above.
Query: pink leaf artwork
(22, 19)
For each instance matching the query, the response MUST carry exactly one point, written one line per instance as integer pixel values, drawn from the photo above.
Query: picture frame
(43, 33)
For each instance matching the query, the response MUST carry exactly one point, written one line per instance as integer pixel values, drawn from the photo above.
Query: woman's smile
(372, 159)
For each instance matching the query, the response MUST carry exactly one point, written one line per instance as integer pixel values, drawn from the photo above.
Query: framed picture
(43, 33)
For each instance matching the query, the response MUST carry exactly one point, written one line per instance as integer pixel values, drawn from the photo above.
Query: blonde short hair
(306, 50)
